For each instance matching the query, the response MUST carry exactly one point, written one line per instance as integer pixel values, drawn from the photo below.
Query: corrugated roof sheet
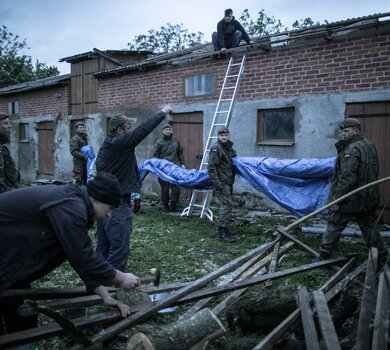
(206, 50)
(35, 84)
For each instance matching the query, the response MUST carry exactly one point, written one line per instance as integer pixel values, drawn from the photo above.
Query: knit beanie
(105, 188)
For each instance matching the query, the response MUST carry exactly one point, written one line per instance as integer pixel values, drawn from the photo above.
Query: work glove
(136, 199)
(136, 206)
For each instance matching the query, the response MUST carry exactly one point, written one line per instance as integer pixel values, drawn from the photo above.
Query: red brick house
(296, 89)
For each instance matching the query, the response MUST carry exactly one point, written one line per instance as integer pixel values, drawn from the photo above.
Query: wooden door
(45, 150)
(188, 129)
(375, 120)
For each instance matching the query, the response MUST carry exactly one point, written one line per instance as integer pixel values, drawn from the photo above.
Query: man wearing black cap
(42, 226)
(9, 176)
(356, 166)
(169, 148)
(77, 142)
(222, 174)
(117, 156)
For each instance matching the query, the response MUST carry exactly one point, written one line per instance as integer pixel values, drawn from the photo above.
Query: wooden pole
(338, 200)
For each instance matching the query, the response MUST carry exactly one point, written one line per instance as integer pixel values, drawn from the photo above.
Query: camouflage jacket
(9, 176)
(220, 165)
(169, 148)
(76, 143)
(356, 165)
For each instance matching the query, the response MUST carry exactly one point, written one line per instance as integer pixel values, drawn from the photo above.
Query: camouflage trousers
(337, 222)
(173, 197)
(80, 173)
(225, 196)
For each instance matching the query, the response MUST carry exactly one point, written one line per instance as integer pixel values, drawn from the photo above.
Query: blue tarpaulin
(299, 185)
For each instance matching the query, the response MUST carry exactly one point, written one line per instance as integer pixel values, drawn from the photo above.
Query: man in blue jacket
(229, 33)
(117, 156)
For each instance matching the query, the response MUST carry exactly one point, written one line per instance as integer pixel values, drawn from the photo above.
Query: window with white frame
(276, 126)
(198, 85)
(13, 107)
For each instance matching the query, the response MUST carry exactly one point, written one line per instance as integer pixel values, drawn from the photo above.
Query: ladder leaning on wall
(200, 198)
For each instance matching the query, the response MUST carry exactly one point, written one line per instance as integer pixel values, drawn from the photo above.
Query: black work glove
(136, 206)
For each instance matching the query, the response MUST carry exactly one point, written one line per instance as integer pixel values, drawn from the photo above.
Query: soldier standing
(9, 176)
(79, 159)
(169, 148)
(222, 174)
(356, 166)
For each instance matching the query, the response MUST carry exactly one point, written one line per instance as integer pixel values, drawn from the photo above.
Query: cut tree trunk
(262, 312)
(179, 335)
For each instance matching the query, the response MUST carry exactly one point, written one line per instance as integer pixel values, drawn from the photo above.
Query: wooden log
(309, 327)
(367, 308)
(178, 335)
(328, 331)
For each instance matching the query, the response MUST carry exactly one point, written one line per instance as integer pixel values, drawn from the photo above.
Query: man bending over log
(42, 226)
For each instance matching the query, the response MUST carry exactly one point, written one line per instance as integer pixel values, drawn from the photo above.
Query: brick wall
(344, 64)
(40, 102)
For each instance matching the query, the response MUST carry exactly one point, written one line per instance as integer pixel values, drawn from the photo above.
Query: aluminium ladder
(200, 198)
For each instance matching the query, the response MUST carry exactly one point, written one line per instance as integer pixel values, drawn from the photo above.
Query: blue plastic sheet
(174, 174)
(298, 185)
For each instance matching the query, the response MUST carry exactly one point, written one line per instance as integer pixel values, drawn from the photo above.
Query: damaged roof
(35, 84)
(326, 31)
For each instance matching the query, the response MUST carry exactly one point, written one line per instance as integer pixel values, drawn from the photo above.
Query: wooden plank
(256, 270)
(40, 333)
(380, 335)
(363, 339)
(309, 327)
(233, 277)
(299, 243)
(329, 335)
(270, 340)
(150, 310)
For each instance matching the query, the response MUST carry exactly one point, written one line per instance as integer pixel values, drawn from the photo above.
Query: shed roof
(35, 84)
(326, 32)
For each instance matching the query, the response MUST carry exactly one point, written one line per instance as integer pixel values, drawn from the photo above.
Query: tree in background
(169, 38)
(263, 25)
(174, 37)
(306, 23)
(15, 67)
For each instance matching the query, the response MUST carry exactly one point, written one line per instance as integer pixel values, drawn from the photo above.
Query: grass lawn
(186, 248)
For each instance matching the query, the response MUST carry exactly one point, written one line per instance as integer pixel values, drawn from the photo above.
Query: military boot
(166, 207)
(224, 235)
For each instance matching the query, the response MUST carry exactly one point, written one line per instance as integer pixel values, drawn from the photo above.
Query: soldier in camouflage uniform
(356, 165)
(222, 174)
(79, 159)
(9, 176)
(169, 148)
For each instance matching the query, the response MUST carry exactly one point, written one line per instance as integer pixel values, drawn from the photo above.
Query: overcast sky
(56, 29)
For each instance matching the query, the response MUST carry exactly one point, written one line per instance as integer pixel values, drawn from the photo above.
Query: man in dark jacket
(9, 176)
(77, 142)
(229, 33)
(222, 174)
(169, 148)
(356, 166)
(117, 156)
(42, 226)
